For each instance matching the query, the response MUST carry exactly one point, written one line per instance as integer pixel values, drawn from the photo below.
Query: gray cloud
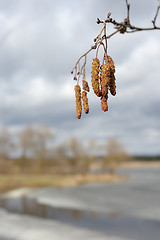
(43, 40)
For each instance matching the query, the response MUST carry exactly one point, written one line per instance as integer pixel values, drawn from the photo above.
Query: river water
(124, 210)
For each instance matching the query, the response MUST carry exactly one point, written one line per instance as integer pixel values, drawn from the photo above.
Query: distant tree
(91, 148)
(6, 147)
(26, 141)
(115, 155)
(43, 138)
(35, 143)
(91, 152)
(61, 158)
(75, 153)
(5, 143)
(78, 160)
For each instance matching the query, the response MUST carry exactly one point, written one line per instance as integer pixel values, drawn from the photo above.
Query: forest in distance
(31, 157)
(34, 149)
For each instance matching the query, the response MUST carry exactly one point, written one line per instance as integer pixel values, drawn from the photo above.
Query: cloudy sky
(40, 41)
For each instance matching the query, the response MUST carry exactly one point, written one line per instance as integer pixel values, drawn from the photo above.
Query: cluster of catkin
(103, 81)
(81, 97)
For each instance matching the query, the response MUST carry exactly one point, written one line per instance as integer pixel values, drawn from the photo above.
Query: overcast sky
(40, 41)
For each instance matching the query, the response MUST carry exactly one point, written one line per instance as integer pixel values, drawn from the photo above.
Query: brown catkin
(85, 102)
(104, 104)
(78, 101)
(112, 85)
(95, 77)
(105, 79)
(111, 63)
(85, 85)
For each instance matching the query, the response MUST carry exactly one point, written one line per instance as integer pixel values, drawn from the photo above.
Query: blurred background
(41, 142)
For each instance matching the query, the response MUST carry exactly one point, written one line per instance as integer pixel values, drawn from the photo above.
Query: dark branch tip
(98, 21)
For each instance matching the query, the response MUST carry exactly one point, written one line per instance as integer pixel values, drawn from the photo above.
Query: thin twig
(128, 10)
(99, 35)
(109, 36)
(81, 58)
(105, 37)
(143, 29)
(83, 67)
(155, 18)
(97, 50)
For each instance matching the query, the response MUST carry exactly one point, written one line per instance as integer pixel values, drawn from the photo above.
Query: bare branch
(155, 18)
(122, 27)
(102, 75)
(109, 36)
(126, 23)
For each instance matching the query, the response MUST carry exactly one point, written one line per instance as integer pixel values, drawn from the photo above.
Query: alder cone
(104, 104)
(85, 102)
(95, 77)
(78, 101)
(85, 85)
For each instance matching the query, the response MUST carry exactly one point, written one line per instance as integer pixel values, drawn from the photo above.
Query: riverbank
(13, 181)
(16, 180)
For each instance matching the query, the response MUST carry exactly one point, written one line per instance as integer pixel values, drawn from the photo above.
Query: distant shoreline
(140, 164)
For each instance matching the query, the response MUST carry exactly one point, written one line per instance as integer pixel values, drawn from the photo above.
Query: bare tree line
(33, 150)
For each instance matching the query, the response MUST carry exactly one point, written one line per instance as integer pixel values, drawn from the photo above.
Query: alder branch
(121, 27)
(126, 23)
